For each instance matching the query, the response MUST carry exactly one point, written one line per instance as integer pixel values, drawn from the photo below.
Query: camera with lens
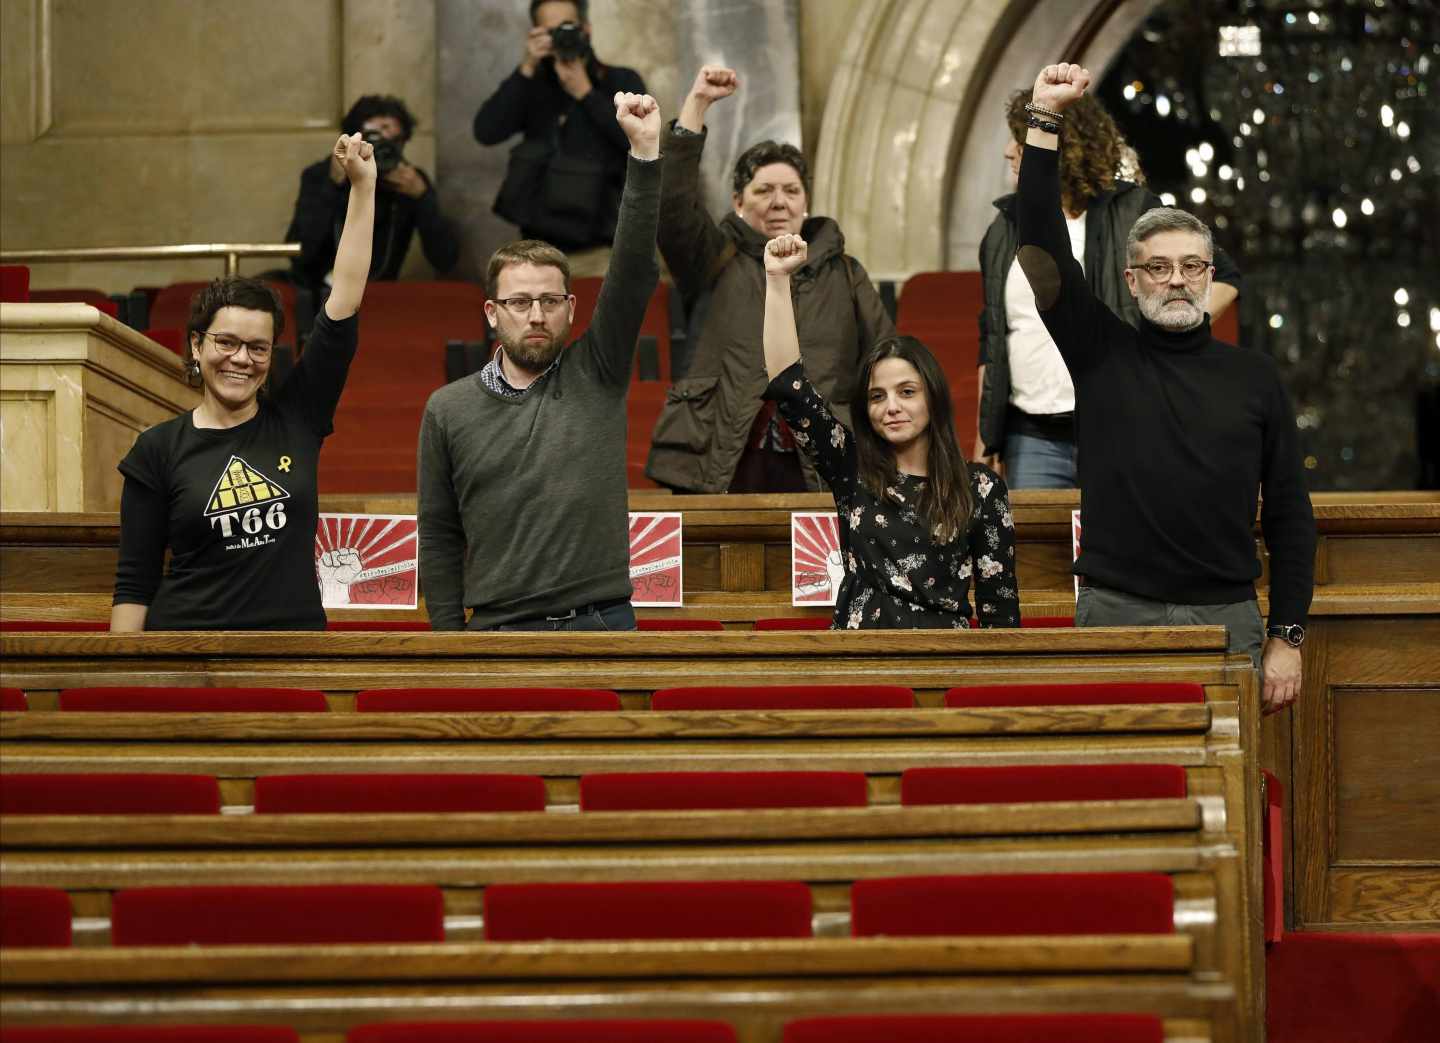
(569, 42)
(388, 153)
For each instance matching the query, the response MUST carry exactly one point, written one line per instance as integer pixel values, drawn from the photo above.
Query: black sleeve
(320, 203)
(1079, 323)
(992, 551)
(437, 234)
(631, 277)
(144, 532)
(1286, 517)
(599, 105)
(818, 432)
(504, 112)
(314, 386)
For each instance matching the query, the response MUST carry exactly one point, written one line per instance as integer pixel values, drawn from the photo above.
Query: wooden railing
(231, 252)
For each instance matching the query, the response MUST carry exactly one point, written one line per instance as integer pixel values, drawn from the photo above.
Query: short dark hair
(372, 105)
(762, 154)
(582, 8)
(233, 291)
(524, 251)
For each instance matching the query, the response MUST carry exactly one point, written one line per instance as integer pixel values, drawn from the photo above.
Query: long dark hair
(946, 502)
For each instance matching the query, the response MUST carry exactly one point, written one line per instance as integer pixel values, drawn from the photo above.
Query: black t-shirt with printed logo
(237, 507)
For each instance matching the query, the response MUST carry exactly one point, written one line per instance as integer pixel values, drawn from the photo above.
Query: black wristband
(1040, 123)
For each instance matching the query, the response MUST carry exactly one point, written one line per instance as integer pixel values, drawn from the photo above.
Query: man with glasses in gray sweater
(522, 490)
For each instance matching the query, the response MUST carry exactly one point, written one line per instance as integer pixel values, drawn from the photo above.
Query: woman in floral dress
(917, 521)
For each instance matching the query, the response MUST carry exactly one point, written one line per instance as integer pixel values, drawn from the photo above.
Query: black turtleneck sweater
(1177, 435)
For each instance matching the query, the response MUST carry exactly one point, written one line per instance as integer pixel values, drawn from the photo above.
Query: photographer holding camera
(564, 179)
(405, 203)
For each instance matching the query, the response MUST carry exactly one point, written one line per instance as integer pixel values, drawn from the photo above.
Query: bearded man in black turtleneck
(1177, 433)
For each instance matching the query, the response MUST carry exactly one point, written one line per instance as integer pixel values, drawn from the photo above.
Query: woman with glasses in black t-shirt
(230, 488)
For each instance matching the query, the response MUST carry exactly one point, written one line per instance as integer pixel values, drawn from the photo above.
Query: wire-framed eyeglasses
(1192, 268)
(549, 303)
(229, 345)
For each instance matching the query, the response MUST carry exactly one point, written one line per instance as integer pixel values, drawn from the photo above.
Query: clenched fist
(639, 117)
(1060, 86)
(712, 83)
(784, 254)
(356, 157)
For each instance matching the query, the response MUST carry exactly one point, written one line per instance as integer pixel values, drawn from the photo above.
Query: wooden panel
(1383, 558)
(27, 467)
(1388, 897)
(1387, 774)
(173, 68)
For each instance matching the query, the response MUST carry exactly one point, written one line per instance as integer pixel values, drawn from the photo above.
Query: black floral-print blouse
(896, 575)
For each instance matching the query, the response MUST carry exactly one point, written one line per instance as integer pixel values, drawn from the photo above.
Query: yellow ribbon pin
(285, 464)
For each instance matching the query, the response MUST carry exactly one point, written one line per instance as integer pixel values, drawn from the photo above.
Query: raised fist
(639, 117)
(784, 254)
(1060, 86)
(714, 82)
(356, 156)
(337, 570)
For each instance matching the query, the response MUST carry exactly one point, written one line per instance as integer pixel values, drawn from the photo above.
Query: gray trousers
(1103, 607)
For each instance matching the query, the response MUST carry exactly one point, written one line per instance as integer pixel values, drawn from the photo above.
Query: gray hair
(1165, 219)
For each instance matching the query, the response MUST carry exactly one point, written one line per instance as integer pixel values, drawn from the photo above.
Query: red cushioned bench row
(877, 1028)
(171, 794)
(990, 905)
(148, 699)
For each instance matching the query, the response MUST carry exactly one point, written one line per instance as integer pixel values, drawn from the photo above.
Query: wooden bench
(755, 985)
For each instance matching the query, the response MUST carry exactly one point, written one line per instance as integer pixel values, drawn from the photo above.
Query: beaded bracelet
(1043, 119)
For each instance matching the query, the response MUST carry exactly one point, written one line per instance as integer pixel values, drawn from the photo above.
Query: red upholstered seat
(794, 623)
(277, 915)
(678, 624)
(1045, 622)
(109, 794)
(941, 309)
(14, 283)
(172, 337)
(708, 909)
(1041, 782)
(676, 790)
(124, 699)
(1227, 327)
(378, 624)
(378, 793)
(785, 697)
(400, 361)
(94, 298)
(1272, 844)
(73, 625)
(613, 1031)
(485, 700)
(978, 1028)
(34, 917)
(152, 1034)
(1031, 903)
(1074, 694)
(12, 700)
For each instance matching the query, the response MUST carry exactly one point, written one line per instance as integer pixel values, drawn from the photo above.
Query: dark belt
(1053, 427)
(594, 608)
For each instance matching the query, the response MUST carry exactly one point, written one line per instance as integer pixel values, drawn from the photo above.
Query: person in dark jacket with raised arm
(1178, 433)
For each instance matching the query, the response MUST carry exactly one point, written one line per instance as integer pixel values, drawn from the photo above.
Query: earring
(192, 372)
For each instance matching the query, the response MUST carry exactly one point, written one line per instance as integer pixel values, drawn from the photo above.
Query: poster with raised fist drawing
(366, 560)
(656, 572)
(816, 567)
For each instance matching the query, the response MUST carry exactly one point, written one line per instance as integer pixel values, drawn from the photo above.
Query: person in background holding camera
(406, 203)
(564, 179)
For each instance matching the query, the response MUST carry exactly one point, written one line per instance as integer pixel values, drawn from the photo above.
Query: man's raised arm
(1072, 313)
(633, 271)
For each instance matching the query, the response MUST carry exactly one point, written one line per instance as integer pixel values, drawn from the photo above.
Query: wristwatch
(1293, 634)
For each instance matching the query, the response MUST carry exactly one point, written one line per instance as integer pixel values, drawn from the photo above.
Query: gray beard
(1175, 320)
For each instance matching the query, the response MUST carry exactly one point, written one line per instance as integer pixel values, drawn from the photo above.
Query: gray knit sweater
(522, 502)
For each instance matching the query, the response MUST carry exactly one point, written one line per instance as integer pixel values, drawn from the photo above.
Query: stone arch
(910, 144)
